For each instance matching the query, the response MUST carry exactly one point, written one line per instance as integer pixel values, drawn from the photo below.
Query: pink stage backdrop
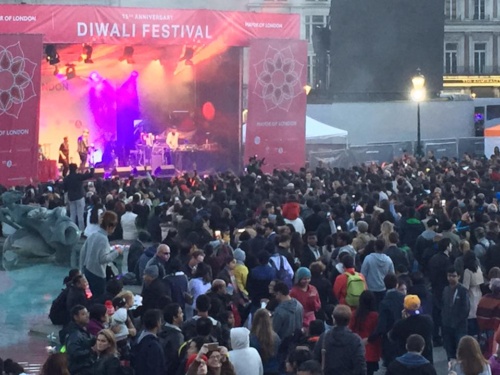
(19, 107)
(277, 103)
(116, 25)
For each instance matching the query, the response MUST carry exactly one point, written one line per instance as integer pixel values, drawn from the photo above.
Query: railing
(470, 70)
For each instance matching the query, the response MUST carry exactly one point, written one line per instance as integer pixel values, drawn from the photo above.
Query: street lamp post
(418, 95)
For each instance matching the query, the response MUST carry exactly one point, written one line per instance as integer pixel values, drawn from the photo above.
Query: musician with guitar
(83, 149)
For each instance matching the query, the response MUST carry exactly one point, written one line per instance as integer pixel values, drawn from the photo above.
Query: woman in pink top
(306, 294)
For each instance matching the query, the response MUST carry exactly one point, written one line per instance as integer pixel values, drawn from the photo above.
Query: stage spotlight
(134, 74)
(70, 71)
(51, 54)
(95, 77)
(86, 55)
(128, 54)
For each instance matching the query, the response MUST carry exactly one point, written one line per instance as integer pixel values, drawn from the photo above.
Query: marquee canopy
(116, 25)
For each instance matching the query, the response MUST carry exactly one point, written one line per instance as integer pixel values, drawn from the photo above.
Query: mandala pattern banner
(19, 107)
(277, 103)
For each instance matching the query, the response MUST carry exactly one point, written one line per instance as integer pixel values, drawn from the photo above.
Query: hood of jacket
(428, 234)
(412, 360)
(240, 338)
(150, 251)
(290, 306)
(143, 335)
(378, 258)
(291, 210)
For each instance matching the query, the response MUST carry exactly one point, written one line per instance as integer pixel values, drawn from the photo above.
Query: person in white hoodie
(246, 360)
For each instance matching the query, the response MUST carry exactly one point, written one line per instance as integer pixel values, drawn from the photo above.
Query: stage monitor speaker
(164, 171)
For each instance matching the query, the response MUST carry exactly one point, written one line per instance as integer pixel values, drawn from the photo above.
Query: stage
(133, 76)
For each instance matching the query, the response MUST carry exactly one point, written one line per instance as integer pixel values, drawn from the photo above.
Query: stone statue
(39, 232)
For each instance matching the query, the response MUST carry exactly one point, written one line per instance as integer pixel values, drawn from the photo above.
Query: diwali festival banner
(117, 25)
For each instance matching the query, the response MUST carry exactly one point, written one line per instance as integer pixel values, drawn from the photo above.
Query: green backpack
(355, 286)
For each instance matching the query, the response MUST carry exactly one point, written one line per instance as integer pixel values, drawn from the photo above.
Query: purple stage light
(94, 77)
(134, 74)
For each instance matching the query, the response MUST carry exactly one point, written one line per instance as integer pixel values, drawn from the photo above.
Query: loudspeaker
(156, 161)
(164, 171)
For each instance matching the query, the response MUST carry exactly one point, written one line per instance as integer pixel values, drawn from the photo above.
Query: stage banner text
(275, 127)
(20, 57)
(118, 25)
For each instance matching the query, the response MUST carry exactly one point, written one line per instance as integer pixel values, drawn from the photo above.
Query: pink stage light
(134, 74)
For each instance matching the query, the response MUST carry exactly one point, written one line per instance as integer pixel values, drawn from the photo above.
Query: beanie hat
(301, 273)
(152, 271)
(362, 226)
(412, 304)
(239, 255)
(192, 358)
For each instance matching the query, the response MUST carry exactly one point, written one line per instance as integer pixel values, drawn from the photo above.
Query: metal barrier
(386, 152)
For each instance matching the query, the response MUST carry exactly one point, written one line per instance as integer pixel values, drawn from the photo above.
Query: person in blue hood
(413, 362)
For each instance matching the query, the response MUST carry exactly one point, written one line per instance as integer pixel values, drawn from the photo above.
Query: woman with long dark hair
(56, 364)
(364, 322)
(266, 341)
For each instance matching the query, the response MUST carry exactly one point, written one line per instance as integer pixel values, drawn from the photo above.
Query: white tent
(316, 133)
(319, 133)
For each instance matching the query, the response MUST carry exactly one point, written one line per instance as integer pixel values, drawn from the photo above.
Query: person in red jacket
(306, 294)
(291, 209)
(364, 322)
(340, 285)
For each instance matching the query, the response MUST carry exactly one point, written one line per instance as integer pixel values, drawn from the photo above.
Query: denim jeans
(76, 209)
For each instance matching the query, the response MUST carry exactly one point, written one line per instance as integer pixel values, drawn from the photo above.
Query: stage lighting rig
(51, 54)
(128, 54)
(70, 71)
(86, 55)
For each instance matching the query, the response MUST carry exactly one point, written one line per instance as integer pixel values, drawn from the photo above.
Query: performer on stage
(64, 156)
(83, 149)
(173, 139)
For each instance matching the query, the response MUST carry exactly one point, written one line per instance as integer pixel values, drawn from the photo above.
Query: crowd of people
(321, 271)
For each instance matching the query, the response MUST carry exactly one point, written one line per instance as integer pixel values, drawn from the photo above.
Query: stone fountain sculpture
(40, 233)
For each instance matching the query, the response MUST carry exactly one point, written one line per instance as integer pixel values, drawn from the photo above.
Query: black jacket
(411, 364)
(345, 353)
(308, 256)
(398, 257)
(409, 230)
(455, 308)
(76, 296)
(415, 324)
(438, 266)
(492, 258)
(73, 184)
(154, 295)
(171, 339)
(107, 365)
(148, 356)
(79, 345)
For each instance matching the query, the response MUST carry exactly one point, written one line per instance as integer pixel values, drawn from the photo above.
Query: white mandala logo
(16, 79)
(278, 78)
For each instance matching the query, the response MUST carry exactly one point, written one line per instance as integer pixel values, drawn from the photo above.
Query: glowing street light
(418, 95)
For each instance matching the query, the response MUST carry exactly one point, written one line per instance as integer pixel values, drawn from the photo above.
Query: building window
(450, 58)
(479, 58)
(311, 22)
(311, 69)
(451, 9)
(479, 10)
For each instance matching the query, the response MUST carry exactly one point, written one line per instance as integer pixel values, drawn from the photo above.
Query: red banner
(19, 107)
(277, 103)
(117, 25)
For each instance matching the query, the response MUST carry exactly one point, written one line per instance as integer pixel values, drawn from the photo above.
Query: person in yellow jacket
(241, 271)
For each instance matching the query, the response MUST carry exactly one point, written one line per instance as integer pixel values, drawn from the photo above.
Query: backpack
(355, 286)
(281, 273)
(58, 314)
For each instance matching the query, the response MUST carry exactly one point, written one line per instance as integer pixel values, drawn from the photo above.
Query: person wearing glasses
(162, 260)
(96, 253)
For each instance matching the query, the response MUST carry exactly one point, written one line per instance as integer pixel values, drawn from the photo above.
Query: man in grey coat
(287, 316)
